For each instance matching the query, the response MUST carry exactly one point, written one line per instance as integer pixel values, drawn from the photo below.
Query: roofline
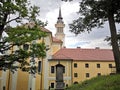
(95, 60)
(82, 60)
(60, 59)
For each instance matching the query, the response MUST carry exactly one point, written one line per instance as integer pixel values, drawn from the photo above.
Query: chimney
(78, 47)
(97, 47)
(64, 47)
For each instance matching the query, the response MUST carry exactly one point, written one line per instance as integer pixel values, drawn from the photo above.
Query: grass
(111, 82)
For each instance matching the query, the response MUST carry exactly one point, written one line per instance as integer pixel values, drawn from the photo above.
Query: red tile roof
(56, 40)
(84, 54)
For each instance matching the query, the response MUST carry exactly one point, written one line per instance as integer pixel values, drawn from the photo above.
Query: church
(62, 66)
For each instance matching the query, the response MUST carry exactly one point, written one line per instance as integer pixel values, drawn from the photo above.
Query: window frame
(98, 65)
(98, 74)
(87, 75)
(110, 65)
(52, 69)
(75, 75)
(39, 66)
(52, 85)
(86, 65)
(75, 65)
(64, 69)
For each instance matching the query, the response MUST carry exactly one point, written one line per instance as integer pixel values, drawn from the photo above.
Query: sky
(49, 10)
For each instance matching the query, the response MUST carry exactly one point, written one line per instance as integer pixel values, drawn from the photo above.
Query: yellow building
(79, 64)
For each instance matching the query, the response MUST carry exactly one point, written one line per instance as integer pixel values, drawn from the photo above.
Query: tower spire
(60, 16)
(60, 28)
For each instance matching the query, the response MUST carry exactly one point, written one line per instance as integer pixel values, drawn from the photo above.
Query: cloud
(49, 10)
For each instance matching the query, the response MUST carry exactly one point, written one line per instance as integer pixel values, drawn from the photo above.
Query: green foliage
(94, 13)
(18, 11)
(38, 50)
(98, 83)
(11, 7)
(21, 35)
(18, 37)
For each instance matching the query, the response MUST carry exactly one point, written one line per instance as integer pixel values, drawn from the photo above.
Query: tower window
(60, 30)
(52, 69)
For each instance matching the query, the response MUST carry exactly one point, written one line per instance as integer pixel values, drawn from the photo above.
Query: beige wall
(56, 47)
(22, 80)
(67, 75)
(81, 70)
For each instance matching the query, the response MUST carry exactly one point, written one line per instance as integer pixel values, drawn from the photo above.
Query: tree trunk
(1, 30)
(114, 41)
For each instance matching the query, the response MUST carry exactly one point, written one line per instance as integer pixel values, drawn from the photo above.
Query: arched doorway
(59, 77)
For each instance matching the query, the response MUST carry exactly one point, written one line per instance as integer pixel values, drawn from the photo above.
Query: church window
(63, 69)
(52, 69)
(39, 66)
(75, 82)
(52, 85)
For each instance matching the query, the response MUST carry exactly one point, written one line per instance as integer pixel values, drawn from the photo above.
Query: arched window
(75, 82)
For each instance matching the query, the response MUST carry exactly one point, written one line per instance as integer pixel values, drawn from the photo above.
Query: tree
(15, 10)
(18, 8)
(94, 13)
(108, 39)
(19, 11)
(19, 46)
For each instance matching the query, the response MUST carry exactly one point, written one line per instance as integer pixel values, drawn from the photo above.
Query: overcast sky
(49, 12)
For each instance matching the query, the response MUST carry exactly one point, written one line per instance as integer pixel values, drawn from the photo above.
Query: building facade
(79, 64)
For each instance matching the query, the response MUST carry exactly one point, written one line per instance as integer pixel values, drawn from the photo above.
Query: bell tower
(59, 28)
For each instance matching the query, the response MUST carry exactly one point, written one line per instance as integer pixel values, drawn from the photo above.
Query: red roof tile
(84, 54)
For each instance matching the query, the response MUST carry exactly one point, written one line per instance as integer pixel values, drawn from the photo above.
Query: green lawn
(111, 82)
